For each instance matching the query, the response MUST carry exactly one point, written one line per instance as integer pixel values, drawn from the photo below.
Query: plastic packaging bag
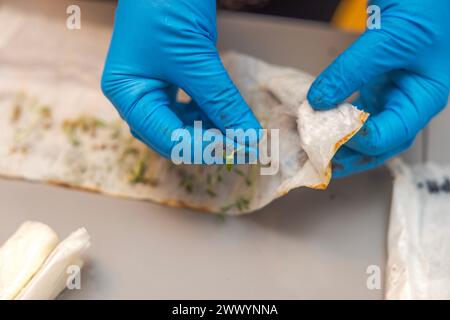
(419, 233)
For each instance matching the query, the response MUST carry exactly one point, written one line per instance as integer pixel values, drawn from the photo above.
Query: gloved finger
(347, 161)
(234, 152)
(152, 120)
(371, 55)
(145, 104)
(372, 97)
(192, 145)
(208, 83)
(190, 112)
(411, 103)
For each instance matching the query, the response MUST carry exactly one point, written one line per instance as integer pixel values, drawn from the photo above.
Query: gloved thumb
(371, 55)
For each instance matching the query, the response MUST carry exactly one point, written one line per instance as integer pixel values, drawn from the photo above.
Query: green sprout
(211, 192)
(138, 173)
(186, 180)
(241, 204)
(84, 123)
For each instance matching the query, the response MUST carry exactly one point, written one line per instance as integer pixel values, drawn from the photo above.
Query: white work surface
(309, 244)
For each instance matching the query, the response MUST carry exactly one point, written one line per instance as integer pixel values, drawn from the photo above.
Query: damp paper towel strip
(22, 255)
(419, 233)
(34, 266)
(59, 128)
(63, 265)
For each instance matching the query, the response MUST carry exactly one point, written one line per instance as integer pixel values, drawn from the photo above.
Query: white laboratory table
(309, 244)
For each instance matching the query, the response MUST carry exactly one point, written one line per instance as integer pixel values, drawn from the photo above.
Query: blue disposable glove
(157, 47)
(402, 72)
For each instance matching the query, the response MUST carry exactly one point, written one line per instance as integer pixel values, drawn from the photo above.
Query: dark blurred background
(321, 10)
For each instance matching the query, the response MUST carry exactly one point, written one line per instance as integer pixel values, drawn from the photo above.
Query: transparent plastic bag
(419, 233)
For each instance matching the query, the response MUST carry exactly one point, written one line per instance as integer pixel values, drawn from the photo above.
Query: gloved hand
(402, 72)
(157, 47)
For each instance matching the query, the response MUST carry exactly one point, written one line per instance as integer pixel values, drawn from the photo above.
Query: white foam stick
(52, 277)
(22, 255)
